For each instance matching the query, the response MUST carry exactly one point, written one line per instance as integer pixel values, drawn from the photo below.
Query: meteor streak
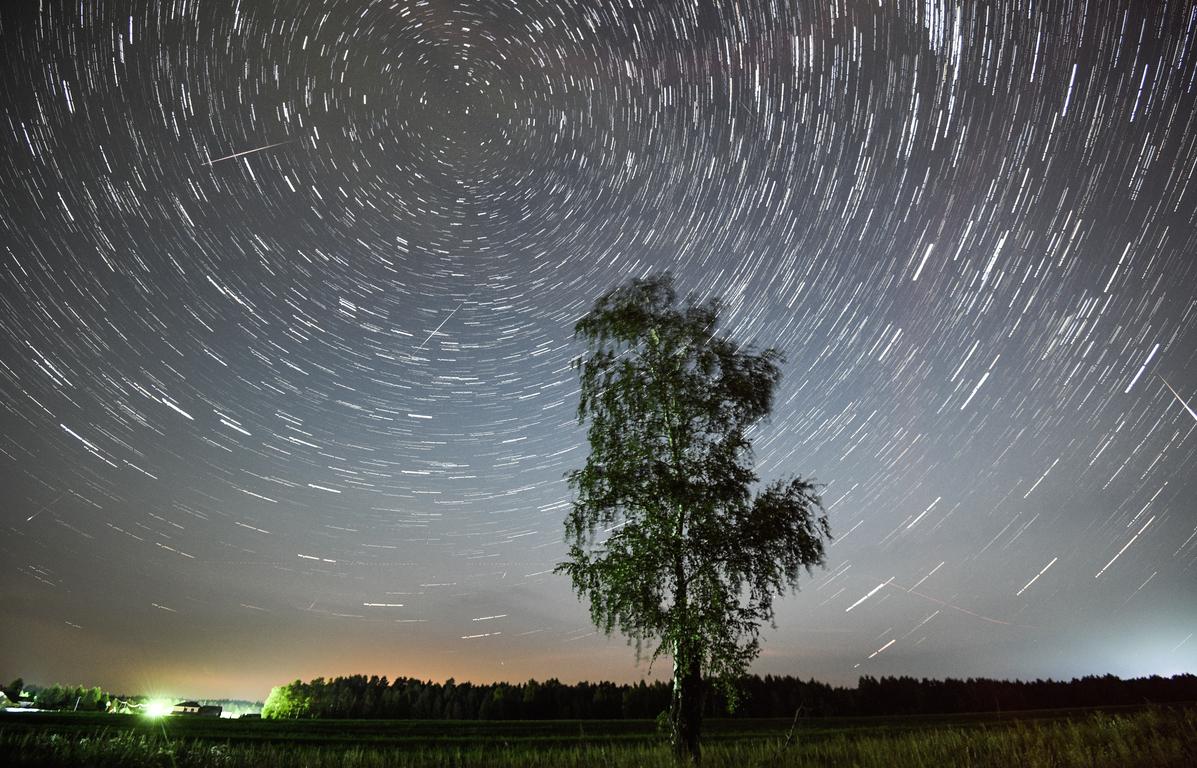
(44, 507)
(1178, 397)
(250, 151)
(447, 319)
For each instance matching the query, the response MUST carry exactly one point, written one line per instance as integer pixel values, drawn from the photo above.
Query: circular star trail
(287, 293)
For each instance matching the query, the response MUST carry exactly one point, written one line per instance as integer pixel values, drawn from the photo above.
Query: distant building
(195, 708)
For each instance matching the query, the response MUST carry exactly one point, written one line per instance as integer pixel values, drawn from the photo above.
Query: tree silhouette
(13, 689)
(666, 539)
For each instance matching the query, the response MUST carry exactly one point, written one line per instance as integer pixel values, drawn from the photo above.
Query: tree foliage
(667, 540)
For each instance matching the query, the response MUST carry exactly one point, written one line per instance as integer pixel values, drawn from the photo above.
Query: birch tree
(670, 538)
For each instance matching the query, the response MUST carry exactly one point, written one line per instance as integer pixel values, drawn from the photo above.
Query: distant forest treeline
(359, 696)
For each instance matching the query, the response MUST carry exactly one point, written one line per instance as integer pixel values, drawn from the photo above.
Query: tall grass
(1160, 738)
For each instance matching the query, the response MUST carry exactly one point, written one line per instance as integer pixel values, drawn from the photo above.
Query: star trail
(287, 291)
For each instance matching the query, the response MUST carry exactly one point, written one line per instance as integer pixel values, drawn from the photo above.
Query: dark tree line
(780, 696)
(359, 696)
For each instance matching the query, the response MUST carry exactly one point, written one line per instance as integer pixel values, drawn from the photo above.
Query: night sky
(287, 292)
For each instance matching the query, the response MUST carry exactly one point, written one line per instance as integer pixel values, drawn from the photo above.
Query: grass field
(1092, 739)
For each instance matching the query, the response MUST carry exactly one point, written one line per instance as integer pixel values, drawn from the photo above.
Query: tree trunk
(686, 708)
